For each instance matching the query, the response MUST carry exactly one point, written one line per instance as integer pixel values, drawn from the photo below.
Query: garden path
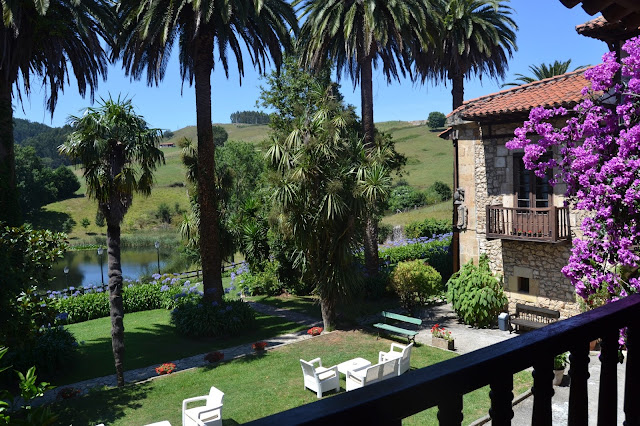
(149, 373)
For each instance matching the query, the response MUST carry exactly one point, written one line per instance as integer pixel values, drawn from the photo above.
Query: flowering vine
(599, 160)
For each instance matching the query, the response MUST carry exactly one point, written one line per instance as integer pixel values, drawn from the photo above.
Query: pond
(84, 266)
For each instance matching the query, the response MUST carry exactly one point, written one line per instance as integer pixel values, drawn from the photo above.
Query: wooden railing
(543, 224)
(444, 384)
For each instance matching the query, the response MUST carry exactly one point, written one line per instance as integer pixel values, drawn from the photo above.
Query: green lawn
(442, 210)
(151, 339)
(254, 386)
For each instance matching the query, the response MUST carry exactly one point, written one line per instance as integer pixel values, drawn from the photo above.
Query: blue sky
(546, 33)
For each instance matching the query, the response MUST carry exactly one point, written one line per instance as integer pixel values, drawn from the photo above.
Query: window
(523, 285)
(531, 191)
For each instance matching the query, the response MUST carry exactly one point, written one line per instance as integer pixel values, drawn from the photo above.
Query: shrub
(163, 212)
(265, 282)
(476, 295)
(415, 282)
(436, 120)
(195, 318)
(442, 189)
(427, 228)
(384, 231)
(404, 197)
(51, 351)
(435, 251)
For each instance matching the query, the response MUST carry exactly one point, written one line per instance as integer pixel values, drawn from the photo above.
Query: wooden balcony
(550, 225)
(444, 384)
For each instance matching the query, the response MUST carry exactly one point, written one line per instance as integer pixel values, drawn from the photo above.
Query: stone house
(518, 219)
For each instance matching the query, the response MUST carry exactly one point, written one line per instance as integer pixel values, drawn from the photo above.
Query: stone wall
(486, 173)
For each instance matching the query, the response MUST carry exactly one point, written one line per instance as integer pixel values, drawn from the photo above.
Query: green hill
(429, 158)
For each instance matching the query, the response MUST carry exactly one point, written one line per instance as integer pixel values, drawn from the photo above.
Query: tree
(119, 153)
(355, 35)
(436, 120)
(149, 31)
(66, 182)
(474, 37)
(542, 71)
(220, 135)
(35, 181)
(314, 195)
(598, 161)
(46, 39)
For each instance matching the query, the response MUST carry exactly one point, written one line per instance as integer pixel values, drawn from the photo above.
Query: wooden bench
(532, 317)
(410, 334)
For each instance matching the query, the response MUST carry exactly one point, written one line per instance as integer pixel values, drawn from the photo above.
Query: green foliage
(43, 139)
(163, 213)
(405, 197)
(436, 253)
(196, 318)
(26, 257)
(249, 117)
(442, 189)
(263, 282)
(168, 134)
(66, 182)
(384, 231)
(99, 219)
(220, 135)
(35, 181)
(30, 389)
(560, 361)
(427, 228)
(85, 222)
(415, 282)
(476, 295)
(436, 120)
(54, 350)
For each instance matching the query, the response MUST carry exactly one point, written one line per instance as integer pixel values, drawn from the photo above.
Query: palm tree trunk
(116, 306)
(9, 207)
(457, 89)
(371, 259)
(328, 314)
(209, 216)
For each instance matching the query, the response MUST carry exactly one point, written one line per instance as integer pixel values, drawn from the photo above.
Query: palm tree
(356, 35)
(51, 40)
(542, 71)
(475, 38)
(119, 154)
(315, 194)
(149, 30)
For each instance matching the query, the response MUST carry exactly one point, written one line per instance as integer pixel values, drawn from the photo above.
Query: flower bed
(166, 368)
(315, 331)
(212, 357)
(259, 346)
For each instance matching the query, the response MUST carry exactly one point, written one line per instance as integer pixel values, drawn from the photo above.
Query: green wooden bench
(402, 319)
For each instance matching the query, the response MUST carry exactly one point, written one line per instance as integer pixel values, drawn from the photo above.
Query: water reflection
(84, 266)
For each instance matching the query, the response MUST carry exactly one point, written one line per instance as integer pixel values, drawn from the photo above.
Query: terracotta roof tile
(563, 90)
(606, 31)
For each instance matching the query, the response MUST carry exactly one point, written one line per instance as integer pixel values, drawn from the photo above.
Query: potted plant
(441, 338)
(259, 346)
(314, 331)
(559, 363)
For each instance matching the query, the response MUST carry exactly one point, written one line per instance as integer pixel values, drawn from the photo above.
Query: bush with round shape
(415, 282)
(197, 318)
(476, 295)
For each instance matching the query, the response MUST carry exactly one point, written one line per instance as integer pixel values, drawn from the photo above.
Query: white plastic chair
(376, 373)
(404, 355)
(320, 379)
(209, 414)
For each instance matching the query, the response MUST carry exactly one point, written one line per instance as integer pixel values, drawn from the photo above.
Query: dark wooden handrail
(445, 383)
(549, 224)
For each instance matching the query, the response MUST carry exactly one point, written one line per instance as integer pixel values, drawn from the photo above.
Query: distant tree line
(250, 117)
(45, 140)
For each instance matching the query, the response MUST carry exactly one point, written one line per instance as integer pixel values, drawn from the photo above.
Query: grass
(429, 159)
(151, 339)
(442, 210)
(255, 386)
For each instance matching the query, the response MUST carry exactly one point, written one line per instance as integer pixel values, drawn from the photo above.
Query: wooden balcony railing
(444, 384)
(543, 224)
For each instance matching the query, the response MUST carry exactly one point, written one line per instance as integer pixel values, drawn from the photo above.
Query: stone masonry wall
(491, 182)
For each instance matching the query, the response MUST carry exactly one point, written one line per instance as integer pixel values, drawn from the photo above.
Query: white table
(353, 364)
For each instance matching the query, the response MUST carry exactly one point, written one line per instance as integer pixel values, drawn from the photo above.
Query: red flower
(259, 346)
(166, 368)
(214, 356)
(315, 331)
